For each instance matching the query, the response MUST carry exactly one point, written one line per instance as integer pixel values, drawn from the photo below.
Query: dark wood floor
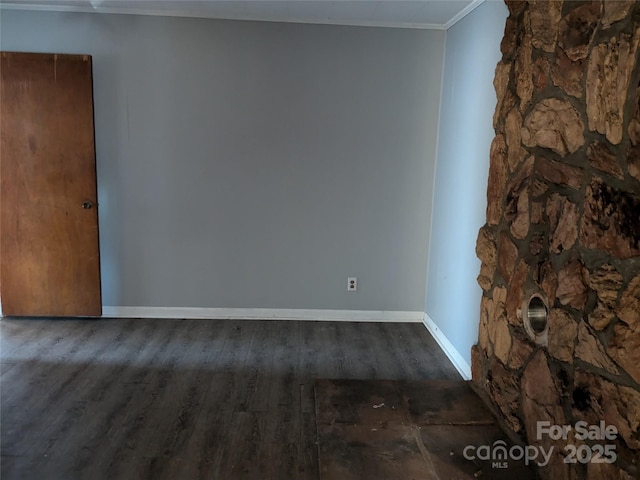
(184, 399)
(398, 429)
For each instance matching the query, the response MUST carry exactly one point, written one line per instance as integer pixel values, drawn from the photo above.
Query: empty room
(320, 239)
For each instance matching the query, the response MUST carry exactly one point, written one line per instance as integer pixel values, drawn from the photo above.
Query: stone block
(617, 405)
(563, 331)
(504, 389)
(541, 402)
(624, 345)
(611, 220)
(577, 28)
(563, 222)
(544, 18)
(629, 306)
(501, 339)
(524, 70)
(634, 162)
(601, 317)
(510, 38)
(513, 137)
(483, 331)
(554, 124)
(541, 73)
(571, 289)
(486, 251)
(559, 173)
(507, 256)
(515, 292)
(497, 179)
(607, 282)
(521, 351)
(549, 281)
(568, 75)
(602, 158)
(608, 76)
(590, 350)
(478, 359)
(616, 11)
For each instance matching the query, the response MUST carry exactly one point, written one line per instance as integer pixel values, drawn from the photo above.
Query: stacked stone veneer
(563, 220)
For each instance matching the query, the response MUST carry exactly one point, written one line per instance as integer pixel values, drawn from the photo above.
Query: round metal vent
(535, 316)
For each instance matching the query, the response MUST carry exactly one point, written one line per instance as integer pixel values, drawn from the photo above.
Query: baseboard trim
(262, 314)
(450, 351)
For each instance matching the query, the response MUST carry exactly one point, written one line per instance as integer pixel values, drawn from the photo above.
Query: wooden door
(49, 254)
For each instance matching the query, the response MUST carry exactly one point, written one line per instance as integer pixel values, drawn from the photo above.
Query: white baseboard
(458, 361)
(262, 314)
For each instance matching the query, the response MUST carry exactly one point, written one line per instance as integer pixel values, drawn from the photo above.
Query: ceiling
(436, 14)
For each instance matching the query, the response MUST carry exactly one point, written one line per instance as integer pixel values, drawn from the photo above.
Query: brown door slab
(49, 253)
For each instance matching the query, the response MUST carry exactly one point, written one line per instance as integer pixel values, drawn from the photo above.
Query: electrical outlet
(352, 284)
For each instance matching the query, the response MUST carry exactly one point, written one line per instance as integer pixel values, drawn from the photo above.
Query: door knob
(87, 204)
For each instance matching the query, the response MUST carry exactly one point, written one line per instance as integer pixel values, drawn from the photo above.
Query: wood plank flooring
(184, 399)
(386, 429)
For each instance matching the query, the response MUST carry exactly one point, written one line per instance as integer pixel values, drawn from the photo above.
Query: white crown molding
(464, 369)
(463, 13)
(261, 314)
(52, 7)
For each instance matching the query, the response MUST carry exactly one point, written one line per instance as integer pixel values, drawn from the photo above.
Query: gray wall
(459, 205)
(246, 164)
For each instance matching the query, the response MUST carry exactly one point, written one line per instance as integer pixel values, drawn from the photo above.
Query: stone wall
(563, 222)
